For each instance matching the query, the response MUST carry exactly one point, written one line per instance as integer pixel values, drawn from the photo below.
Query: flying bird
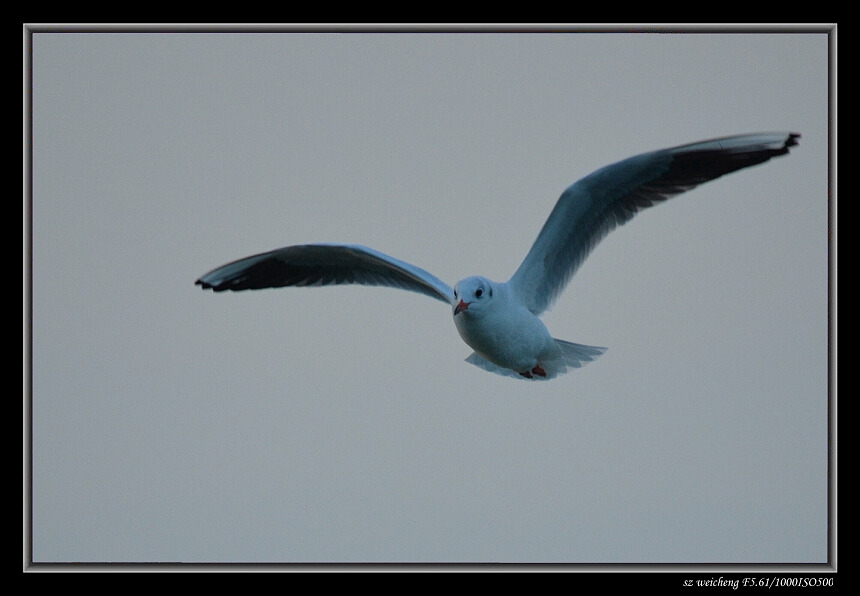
(501, 321)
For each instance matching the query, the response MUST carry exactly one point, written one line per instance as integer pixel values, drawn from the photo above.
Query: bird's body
(499, 328)
(507, 336)
(501, 320)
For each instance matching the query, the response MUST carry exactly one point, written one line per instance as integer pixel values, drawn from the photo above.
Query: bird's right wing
(592, 207)
(322, 265)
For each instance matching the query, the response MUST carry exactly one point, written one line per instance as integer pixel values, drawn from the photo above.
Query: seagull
(501, 321)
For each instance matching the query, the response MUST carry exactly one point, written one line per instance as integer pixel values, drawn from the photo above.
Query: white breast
(506, 334)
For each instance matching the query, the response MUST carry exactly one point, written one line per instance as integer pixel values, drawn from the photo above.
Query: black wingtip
(205, 285)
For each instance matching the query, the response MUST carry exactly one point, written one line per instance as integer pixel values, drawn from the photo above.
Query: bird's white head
(472, 295)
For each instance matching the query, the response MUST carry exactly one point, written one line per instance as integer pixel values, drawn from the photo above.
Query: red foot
(538, 370)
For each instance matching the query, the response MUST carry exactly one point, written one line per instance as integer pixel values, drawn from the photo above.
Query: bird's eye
(455, 293)
(478, 292)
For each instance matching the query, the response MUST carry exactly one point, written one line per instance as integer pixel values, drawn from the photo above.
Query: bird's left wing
(592, 207)
(322, 265)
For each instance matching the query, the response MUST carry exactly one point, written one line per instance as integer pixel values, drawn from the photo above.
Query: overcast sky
(342, 424)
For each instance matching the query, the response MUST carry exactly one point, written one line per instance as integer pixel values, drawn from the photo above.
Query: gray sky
(342, 424)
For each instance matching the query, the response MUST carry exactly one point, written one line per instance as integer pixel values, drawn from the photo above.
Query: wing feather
(322, 265)
(595, 205)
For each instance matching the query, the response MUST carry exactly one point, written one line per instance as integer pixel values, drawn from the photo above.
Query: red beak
(461, 307)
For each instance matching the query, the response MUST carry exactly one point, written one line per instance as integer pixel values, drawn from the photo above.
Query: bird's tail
(571, 355)
(575, 355)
